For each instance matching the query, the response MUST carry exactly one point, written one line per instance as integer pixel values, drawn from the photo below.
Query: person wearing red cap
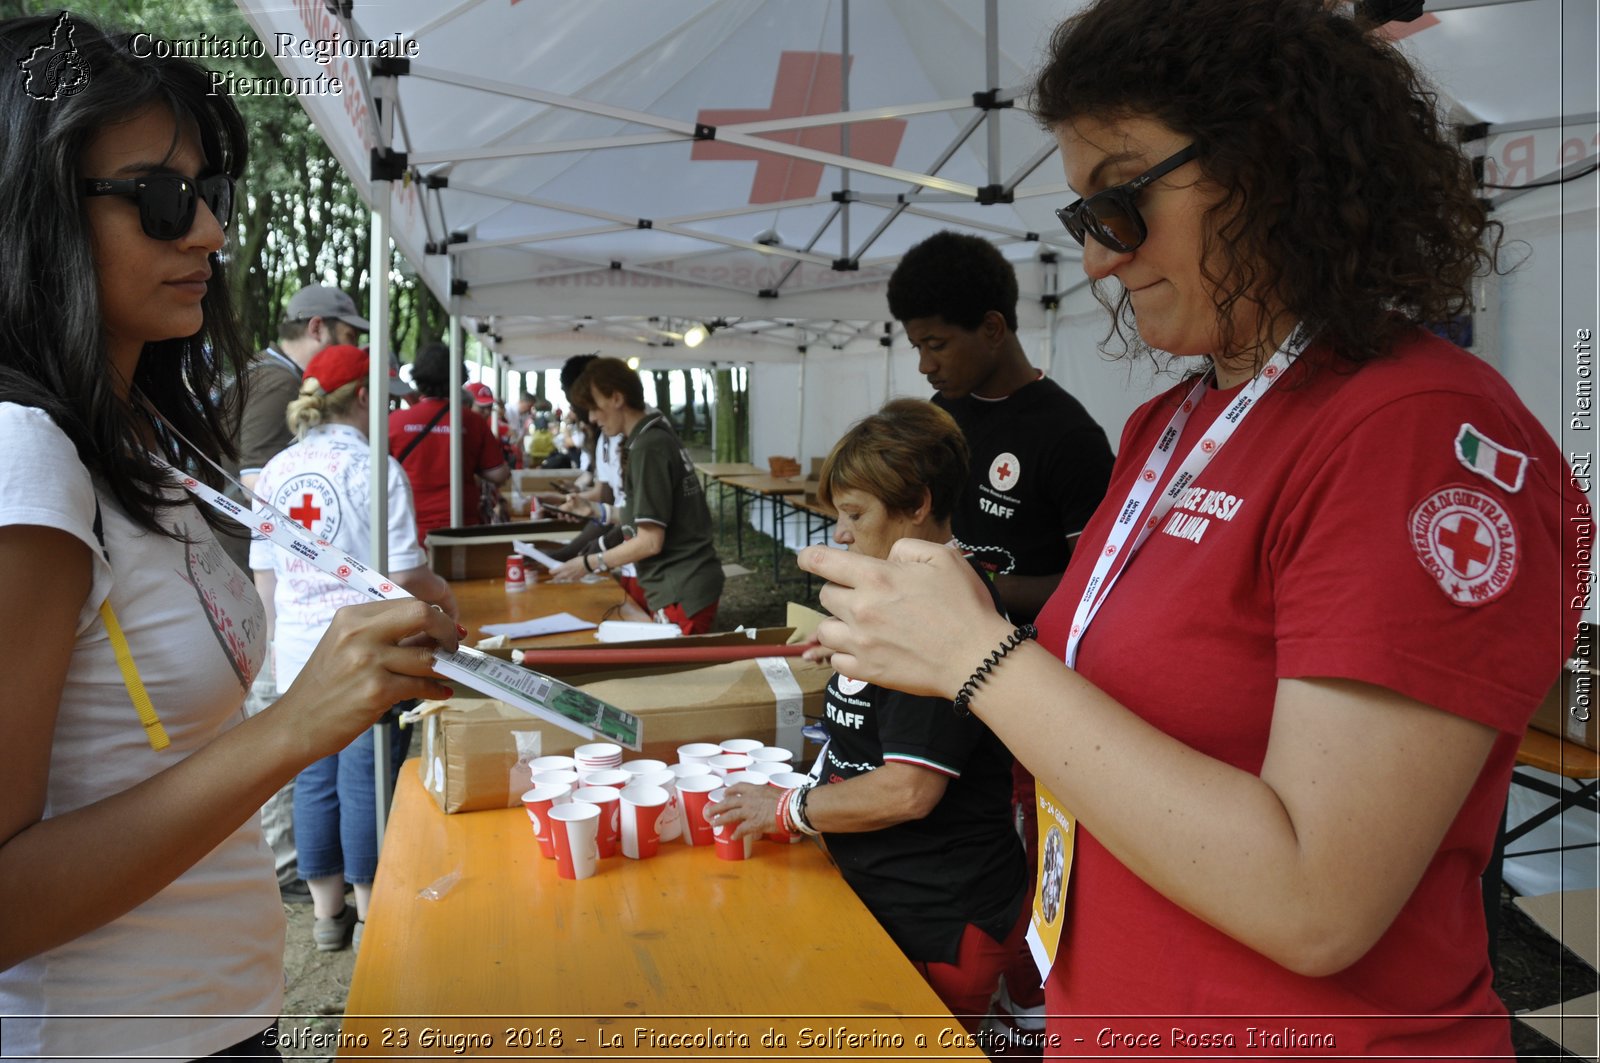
(324, 482)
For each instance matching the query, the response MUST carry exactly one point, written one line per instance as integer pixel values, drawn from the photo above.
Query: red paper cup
(558, 777)
(697, 752)
(671, 823)
(787, 780)
(728, 848)
(613, 777)
(740, 745)
(725, 764)
(538, 801)
(772, 754)
(696, 793)
(609, 800)
(574, 827)
(642, 809)
(516, 578)
(555, 762)
(643, 766)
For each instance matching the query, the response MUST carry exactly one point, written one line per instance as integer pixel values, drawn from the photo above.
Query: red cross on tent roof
(807, 83)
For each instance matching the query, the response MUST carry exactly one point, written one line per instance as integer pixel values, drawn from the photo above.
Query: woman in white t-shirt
(324, 481)
(141, 914)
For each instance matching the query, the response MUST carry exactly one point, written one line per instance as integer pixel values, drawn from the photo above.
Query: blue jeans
(335, 802)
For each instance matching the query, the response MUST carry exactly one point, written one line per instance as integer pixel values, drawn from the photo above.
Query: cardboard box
(1569, 711)
(479, 551)
(475, 753)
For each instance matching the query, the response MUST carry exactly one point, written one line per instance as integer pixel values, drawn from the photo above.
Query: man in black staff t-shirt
(1040, 465)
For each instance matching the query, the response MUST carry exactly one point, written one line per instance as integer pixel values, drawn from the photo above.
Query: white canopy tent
(572, 177)
(562, 173)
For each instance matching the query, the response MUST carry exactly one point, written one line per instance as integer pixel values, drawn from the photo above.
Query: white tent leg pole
(378, 439)
(454, 398)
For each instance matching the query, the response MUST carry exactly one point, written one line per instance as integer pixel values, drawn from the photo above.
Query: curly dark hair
(1344, 199)
(954, 276)
(53, 352)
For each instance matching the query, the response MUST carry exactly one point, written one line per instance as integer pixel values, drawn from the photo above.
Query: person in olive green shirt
(666, 519)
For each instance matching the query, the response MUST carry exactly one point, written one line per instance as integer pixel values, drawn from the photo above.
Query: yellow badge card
(1057, 832)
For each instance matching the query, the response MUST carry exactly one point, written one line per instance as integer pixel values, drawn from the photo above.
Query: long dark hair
(53, 352)
(1344, 199)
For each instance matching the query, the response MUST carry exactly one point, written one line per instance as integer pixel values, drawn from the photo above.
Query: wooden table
(1547, 753)
(763, 487)
(515, 961)
(486, 601)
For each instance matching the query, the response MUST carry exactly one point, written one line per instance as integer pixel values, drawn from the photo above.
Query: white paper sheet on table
(554, 624)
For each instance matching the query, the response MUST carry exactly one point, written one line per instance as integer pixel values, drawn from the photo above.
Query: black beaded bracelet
(981, 674)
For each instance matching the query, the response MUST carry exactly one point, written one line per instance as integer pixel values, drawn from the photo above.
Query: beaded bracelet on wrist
(980, 675)
(797, 811)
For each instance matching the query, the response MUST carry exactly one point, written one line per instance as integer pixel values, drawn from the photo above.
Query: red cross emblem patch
(1467, 542)
(1004, 472)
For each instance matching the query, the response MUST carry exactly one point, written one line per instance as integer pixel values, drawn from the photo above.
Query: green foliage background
(300, 220)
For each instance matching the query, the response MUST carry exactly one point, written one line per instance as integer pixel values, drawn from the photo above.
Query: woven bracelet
(981, 674)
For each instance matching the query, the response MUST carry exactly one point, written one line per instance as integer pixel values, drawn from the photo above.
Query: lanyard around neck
(1133, 521)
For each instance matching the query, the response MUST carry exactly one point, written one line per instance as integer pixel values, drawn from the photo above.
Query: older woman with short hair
(914, 798)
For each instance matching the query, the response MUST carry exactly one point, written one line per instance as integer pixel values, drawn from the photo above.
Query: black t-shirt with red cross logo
(926, 879)
(1040, 465)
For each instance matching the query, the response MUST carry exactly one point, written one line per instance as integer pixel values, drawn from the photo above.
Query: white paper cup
(728, 848)
(724, 764)
(574, 826)
(642, 808)
(687, 768)
(559, 777)
(696, 793)
(538, 802)
(551, 763)
(765, 768)
(598, 755)
(751, 776)
(739, 745)
(643, 766)
(608, 799)
(772, 754)
(615, 777)
(697, 752)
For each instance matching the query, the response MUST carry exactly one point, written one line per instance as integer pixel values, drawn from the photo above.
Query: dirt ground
(1532, 971)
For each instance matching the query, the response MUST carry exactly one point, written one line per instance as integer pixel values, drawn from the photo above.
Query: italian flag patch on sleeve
(1497, 464)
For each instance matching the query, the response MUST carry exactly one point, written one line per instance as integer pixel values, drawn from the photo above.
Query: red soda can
(516, 578)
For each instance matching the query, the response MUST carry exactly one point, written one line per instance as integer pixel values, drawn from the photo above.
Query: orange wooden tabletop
(682, 956)
(486, 601)
(727, 468)
(765, 485)
(1549, 753)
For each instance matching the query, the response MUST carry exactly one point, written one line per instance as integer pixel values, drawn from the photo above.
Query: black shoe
(296, 892)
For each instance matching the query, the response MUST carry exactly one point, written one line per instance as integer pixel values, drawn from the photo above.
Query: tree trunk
(664, 395)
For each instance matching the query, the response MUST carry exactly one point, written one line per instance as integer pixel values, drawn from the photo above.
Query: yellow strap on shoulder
(153, 730)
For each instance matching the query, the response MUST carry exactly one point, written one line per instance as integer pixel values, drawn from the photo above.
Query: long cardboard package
(475, 752)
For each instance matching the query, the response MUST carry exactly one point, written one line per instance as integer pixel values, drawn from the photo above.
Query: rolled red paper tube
(660, 654)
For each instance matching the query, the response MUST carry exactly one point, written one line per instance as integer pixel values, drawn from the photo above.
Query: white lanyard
(1118, 551)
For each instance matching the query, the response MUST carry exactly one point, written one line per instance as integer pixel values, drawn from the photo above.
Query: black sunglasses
(1112, 216)
(167, 201)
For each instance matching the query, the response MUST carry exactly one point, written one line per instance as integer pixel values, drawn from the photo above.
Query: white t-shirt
(211, 943)
(608, 470)
(324, 482)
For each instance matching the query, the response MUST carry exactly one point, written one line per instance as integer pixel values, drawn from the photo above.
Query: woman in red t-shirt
(1325, 593)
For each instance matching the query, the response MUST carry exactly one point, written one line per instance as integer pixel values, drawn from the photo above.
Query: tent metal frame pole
(991, 80)
(457, 343)
(1549, 180)
(378, 415)
(684, 131)
(844, 130)
(1560, 121)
